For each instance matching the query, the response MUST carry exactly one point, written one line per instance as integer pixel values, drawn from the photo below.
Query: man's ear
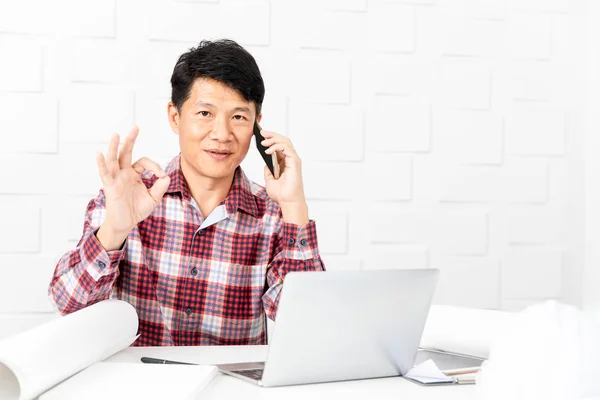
(173, 115)
(258, 118)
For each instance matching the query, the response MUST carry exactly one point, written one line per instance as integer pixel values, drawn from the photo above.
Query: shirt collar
(240, 195)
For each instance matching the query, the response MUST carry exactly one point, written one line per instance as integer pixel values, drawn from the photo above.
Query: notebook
(435, 367)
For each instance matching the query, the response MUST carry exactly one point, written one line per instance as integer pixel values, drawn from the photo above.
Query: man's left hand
(288, 190)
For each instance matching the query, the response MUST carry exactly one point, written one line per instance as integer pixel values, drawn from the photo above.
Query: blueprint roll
(461, 330)
(36, 360)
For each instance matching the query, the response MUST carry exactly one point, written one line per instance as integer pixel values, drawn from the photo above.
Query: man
(200, 251)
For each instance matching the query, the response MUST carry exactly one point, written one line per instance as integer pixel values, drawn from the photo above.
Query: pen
(465, 380)
(461, 371)
(150, 360)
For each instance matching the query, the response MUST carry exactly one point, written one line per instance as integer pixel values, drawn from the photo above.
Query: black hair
(224, 61)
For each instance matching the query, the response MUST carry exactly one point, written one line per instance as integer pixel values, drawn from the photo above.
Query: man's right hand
(128, 201)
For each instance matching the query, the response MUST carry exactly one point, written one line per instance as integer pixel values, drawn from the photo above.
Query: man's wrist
(110, 239)
(295, 213)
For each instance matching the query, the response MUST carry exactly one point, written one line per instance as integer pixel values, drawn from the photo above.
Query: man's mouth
(218, 154)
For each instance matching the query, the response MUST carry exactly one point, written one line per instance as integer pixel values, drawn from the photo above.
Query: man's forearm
(295, 213)
(109, 239)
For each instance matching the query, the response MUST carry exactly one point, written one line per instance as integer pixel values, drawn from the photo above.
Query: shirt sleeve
(86, 275)
(296, 249)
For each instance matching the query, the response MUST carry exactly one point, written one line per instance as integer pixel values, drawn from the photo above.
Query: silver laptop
(336, 326)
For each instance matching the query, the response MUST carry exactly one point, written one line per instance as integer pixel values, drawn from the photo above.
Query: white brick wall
(80, 105)
(434, 133)
(340, 136)
(533, 129)
(478, 278)
(525, 267)
(40, 134)
(411, 132)
(21, 69)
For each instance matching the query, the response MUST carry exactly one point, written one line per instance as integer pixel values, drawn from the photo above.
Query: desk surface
(225, 387)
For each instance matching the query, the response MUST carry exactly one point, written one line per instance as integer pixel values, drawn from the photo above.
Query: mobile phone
(270, 159)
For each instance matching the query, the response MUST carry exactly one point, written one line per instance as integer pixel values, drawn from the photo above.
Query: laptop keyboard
(251, 373)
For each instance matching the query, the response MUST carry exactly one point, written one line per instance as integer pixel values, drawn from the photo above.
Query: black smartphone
(270, 159)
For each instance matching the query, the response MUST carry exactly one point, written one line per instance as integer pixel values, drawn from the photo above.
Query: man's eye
(204, 113)
(239, 117)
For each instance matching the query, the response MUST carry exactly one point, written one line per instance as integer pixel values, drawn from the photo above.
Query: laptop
(337, 326)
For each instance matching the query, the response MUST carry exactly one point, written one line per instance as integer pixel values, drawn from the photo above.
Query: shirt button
(188, 311)
(194, 271)
(101, 264)
(291, 241)
(303, 242)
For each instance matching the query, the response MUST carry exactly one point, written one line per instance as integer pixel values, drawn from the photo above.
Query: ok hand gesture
(128, 201)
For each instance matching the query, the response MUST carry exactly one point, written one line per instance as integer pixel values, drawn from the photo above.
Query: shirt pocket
(241, 288)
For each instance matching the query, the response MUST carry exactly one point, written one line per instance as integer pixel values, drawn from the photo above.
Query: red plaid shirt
(193, 281)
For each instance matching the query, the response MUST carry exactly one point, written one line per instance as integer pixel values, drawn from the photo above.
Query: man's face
(214, 127)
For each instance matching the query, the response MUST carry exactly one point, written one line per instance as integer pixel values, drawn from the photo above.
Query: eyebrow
(204, 103)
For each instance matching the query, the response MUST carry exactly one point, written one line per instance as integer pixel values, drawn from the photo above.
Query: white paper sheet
(465, 330)
(36, 360)
(428, 372)
(109, 380)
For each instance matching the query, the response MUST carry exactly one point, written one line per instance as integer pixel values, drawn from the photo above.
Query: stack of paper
(110, 380)
(463, 330)
(459, 331)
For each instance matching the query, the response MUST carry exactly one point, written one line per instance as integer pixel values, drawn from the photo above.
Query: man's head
(217, 94)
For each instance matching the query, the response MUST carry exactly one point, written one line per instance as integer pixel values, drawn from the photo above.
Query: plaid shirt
(193, 281)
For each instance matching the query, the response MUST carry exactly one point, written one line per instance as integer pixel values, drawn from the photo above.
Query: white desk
(225, 387)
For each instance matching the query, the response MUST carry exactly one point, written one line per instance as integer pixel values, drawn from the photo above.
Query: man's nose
(220, 130)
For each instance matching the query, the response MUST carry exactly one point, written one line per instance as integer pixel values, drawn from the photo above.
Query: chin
(217, 173)
(213, 170)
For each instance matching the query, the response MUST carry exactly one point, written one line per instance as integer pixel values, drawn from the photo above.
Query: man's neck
(207, 192)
